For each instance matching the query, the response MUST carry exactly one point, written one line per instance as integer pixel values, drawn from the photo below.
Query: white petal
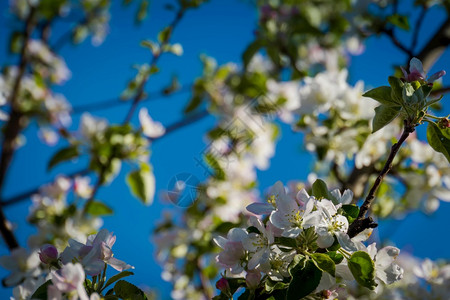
(260, 208)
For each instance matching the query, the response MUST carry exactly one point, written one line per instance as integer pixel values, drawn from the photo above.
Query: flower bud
(252, 279)
(222, 285)
(444, 123)
(48, 254)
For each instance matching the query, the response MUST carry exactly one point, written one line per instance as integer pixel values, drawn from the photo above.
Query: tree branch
(12, 129)
(109, 103)
(362, 222)
(169, 129)
(156, 56)
(436, 46)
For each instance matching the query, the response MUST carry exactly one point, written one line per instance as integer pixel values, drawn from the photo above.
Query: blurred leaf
(142, 11)
(439, 139)
(399, 21)
(96, 208)
(63, 155)
(142, 185)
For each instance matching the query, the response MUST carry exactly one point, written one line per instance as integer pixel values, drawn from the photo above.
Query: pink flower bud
(444, 123)
(222, 285)
(252, 279)
(48, 254)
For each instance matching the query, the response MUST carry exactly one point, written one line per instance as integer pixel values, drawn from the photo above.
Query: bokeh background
(221, 29)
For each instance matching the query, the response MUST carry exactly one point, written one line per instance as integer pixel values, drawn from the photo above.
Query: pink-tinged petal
(237, 234)
(260, 208)
(53, 293)
(415, 66)
(106, 251)
(94, 267)
(102, 236)
(119, 265)
(278, 189)
(405, 74)
(252, 279)
(436, 76)
(279, 219)
(220, 241)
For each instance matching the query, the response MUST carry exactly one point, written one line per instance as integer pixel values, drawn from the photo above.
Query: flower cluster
(303, 236)
(49, 274)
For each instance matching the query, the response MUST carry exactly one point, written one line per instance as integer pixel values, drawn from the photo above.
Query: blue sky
(220, 29)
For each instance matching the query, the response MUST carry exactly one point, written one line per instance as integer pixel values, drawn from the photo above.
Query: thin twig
(390, 33)
(110, 103)
(417, 28)
(362, 222)
(140, 90)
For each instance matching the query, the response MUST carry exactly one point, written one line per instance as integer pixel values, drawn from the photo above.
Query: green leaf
(63, 155)
(164, 35)
(304, 282)
(117, 277)
(384, 115)
(382, 94)
(335, 256)
(251, 50)
(320, 190)
(142, 12)
(271, 285)
(399, 21)
(439, 139)
(324, 263)
(287, 242)
(363, 269)
(397, 88)
(96, 208)
(142, 184)
(128, 291)
(41, 292)
(350, 211)
(297, 263)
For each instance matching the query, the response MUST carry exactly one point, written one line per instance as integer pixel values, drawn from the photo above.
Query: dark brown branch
(417, 28)
(12, 129)
(390, 33)
(436, 46)
(169, 129)
(362, 223)
(440, 91)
